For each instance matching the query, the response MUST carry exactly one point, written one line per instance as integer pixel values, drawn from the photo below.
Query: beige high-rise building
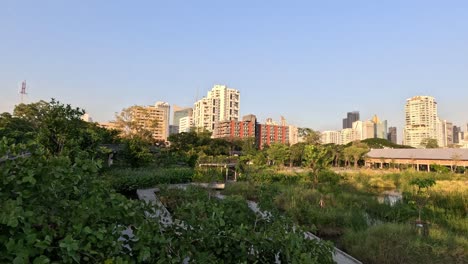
(420, 120)
(348, 135)
(330, 136)
(220, 104)
(185, 124)
(364, 129)
(444, 133)
(153, 118)
(293, 135)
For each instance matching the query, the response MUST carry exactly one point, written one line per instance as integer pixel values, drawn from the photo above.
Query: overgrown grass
(346, 207)
(400, 243)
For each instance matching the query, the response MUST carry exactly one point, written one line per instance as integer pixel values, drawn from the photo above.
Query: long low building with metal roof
(420, 159)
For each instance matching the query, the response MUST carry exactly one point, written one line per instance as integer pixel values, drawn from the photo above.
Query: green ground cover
(346, 209)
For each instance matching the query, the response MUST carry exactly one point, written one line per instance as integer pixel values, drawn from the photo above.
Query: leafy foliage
(228, 230)
(125, 180)
(54, 210)
(429, 143)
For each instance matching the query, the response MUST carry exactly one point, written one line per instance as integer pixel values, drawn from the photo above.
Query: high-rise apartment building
(271, 132)
(293, 135)
(185, 124)
(221, 104)
(420, 120)
(348, 135)
(351, 117)
(152, 118)
(392, 134)
(363, 129)
(331, 137)
(444, 133)
(236, 129)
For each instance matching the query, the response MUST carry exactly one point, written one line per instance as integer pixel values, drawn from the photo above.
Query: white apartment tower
(331, 137)
(221, 104)
(421, 120)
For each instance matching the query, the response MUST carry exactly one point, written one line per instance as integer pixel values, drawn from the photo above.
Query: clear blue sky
(310, 61)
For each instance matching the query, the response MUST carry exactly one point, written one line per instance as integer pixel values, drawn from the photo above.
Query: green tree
(421, 195)
(310, 136)
(297, 154)
(356, 151)
(130, 123)
(429, 143)
(16, 129)
(278, 153)
(317, 158)
(136, 152)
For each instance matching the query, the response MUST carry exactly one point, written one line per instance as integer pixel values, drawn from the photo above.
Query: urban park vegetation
(67, 193)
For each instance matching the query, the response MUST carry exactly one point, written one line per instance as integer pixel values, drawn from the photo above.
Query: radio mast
(23, 91)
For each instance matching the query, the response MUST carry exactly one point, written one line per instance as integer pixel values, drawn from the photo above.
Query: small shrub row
(128, 180)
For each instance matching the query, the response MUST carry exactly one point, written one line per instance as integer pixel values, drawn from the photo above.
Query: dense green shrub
(228, 230)
(127, 180)
(56, 210)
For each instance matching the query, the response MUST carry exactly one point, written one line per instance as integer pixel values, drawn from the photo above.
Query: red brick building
(268, 134)
(236, 129)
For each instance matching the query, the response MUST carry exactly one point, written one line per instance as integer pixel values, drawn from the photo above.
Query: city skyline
(309, 62)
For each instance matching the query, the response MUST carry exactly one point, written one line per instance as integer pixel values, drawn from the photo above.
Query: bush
(128, 180)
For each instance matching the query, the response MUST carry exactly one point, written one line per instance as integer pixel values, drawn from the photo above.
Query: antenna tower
(23, 90)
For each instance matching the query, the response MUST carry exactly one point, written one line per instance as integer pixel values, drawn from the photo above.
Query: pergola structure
(419, 159)
(223, 166)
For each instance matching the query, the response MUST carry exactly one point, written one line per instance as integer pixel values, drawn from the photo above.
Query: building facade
(348, 135)
(421, 120)
(269, 133)
(364, 129)
(444, 133)
(331, 137)
(351, 117)
(220, 104)
(236, 129)
(392, 135)
(457, 134)
(380, 127)
(180, 112)
(293, 135)
(185, 124)
(151, 118)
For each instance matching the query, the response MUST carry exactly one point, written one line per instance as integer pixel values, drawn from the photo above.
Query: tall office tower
(351, 117)
(420, 120)
(392, 134)
(221, 104)
(180, 112)
(380, 127)
(457, 134)
(364, 129)
(444, 133)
